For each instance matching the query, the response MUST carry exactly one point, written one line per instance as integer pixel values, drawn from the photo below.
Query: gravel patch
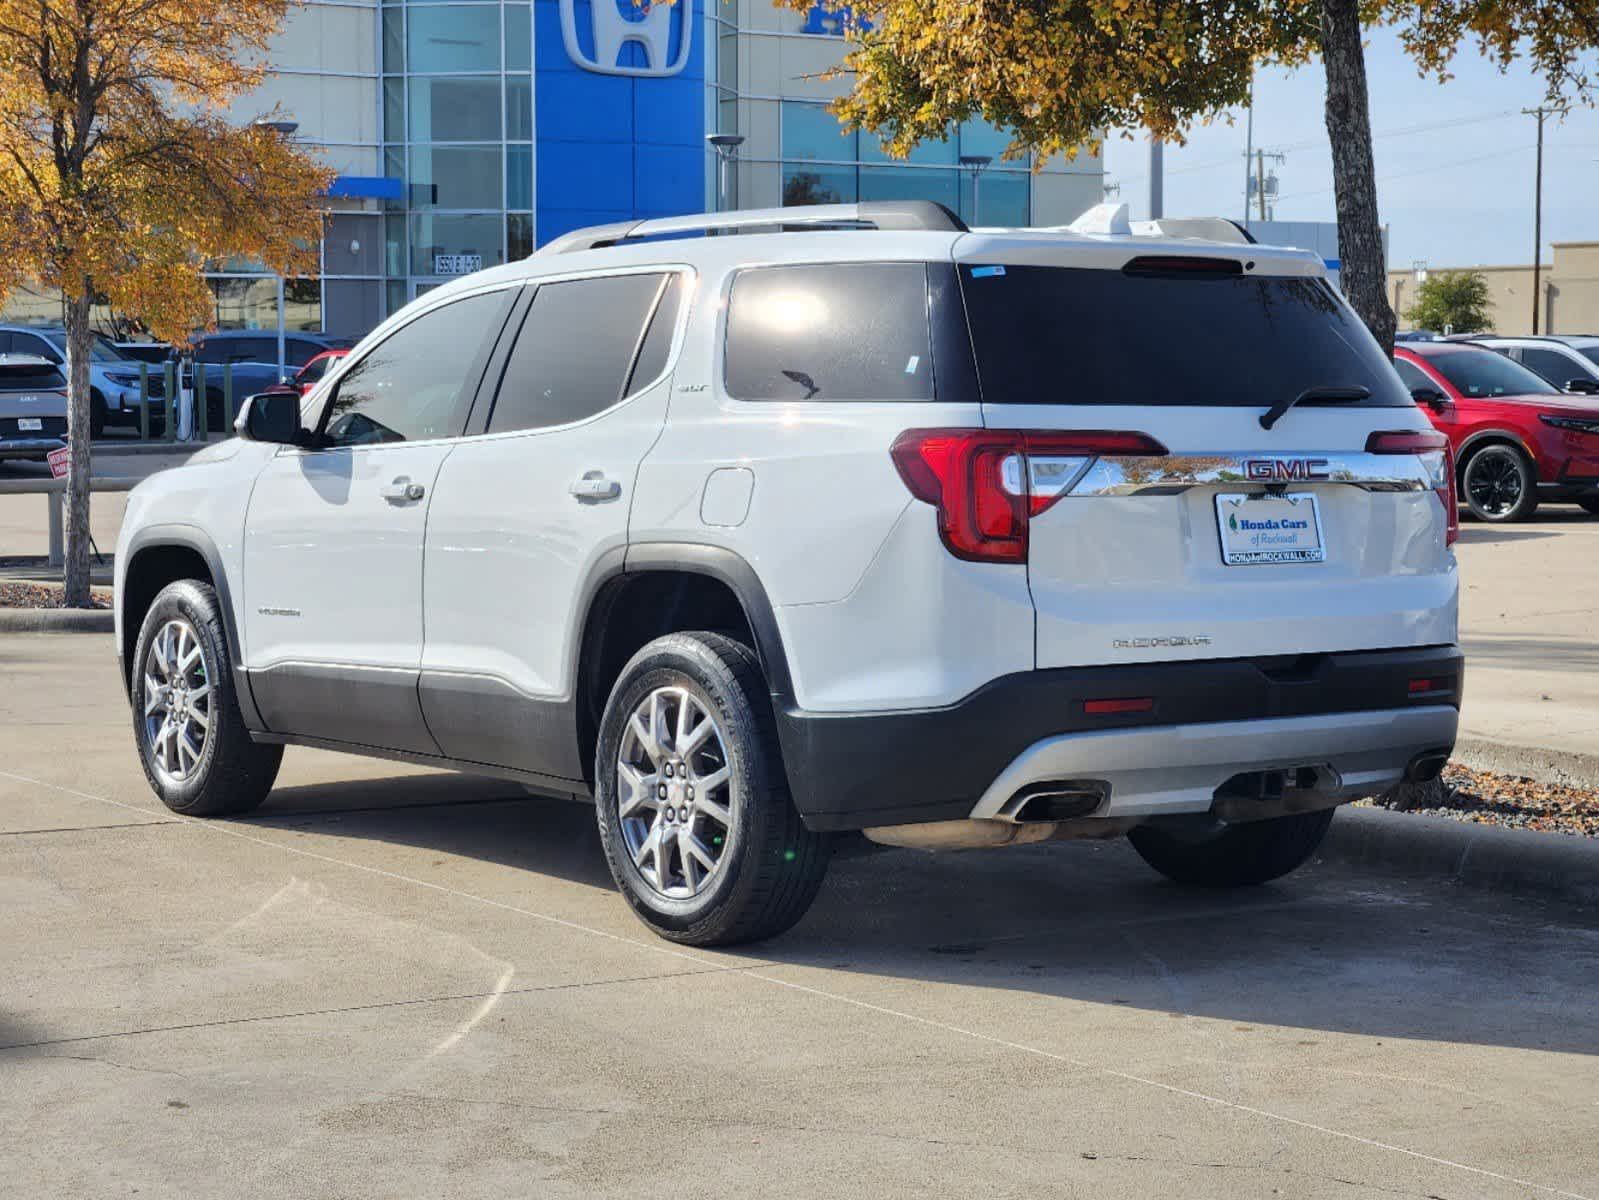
(46, 595)
(1488, 798)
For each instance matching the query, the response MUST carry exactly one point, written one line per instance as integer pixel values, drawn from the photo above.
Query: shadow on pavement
(1328, 949)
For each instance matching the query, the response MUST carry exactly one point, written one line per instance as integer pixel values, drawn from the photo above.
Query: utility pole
(1157, 178)
(1537, 211)
(1260, 174)
(1249, 147)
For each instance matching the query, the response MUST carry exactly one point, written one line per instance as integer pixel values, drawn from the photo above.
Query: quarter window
(838, 331)
(417, 382)
(576, 350)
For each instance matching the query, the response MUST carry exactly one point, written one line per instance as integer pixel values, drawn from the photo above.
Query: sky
(1455, 160)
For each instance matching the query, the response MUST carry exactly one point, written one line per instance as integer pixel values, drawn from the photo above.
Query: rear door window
(1165, 336)
(576, 350)
(830, 331)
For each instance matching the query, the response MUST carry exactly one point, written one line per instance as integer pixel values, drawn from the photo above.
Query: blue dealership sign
(619, 112)
(831, 20)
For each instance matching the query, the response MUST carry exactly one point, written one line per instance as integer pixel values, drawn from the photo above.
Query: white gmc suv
(856, 520)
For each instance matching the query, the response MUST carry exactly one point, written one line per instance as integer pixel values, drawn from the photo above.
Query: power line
(1444, 166)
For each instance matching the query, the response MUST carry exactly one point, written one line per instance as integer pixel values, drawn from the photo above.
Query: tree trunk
(80, 349)
(1363, 266)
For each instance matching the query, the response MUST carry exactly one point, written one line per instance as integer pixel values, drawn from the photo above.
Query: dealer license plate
(1269, 529)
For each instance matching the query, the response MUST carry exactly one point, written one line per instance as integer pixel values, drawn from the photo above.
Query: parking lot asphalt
(395, 982)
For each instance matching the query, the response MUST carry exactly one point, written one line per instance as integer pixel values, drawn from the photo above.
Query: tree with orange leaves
(121, 176)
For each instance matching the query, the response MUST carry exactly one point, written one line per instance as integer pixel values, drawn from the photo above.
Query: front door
(528, 509)
(333, 535)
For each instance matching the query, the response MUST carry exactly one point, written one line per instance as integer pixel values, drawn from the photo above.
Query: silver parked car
(33, 407)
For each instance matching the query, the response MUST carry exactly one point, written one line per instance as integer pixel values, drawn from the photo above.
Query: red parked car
(1517, 438)
(308, 376)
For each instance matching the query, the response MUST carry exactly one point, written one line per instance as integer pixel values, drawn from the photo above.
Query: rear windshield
(1068, 335)
(30, 377)
(1488, 373)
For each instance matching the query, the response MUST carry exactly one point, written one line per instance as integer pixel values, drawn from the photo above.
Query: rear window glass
(833, 331)
(1475, 372)
(1067, 335)
(30, 377)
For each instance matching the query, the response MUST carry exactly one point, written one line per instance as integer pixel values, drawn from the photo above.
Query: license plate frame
(1275, 541)
(30, 425)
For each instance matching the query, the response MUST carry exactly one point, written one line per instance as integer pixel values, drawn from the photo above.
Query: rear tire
(1590, 504)
(204, 764)
(1239, 855)
(1499, 484)
(692, 800)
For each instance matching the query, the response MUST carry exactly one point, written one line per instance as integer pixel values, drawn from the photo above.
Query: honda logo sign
(650, 27)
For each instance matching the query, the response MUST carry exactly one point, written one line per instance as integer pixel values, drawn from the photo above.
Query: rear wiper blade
(1328, 395)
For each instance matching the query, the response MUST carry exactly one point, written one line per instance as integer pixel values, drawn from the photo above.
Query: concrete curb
(1553, 866)
(1571, 768)
(57, 620)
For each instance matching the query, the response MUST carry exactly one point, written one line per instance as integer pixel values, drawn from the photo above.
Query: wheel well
(633, 610)
(151, 570)
(1482, 443)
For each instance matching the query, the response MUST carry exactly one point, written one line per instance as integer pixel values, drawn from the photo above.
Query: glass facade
(825, 164)
(458, 129)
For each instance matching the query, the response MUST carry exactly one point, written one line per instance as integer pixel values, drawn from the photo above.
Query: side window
(1413, 376)
(1552, 365)
(417, 382)
(836, 331)
(298, 351)
(657, 347)
(575, 350)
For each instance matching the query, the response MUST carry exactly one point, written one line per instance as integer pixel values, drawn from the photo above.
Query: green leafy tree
(1060, 72)
(1454, 302)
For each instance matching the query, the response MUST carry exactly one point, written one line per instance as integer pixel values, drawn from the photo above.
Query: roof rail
(879, 214)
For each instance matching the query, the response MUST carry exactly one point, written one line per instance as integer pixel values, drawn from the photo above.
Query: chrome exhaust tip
(1055, 800)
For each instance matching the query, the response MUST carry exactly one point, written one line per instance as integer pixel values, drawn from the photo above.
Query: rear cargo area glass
(1066, 335)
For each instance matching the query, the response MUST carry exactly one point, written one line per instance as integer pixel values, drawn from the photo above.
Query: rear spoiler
(1111, 220)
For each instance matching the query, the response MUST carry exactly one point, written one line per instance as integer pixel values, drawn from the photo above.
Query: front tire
(97, 415)
(1238, 855)
(1590, 504)
(692, 800)
(1499, 484)
(196, 753)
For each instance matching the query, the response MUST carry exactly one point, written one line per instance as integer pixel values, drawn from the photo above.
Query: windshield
(1485, 373)
(105, 352)
(1071, 335)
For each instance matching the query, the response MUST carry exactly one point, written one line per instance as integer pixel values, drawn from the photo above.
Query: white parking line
(899, 1014)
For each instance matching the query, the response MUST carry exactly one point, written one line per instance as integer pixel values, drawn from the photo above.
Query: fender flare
(730, 568)
(1494, 435)
(192, 537)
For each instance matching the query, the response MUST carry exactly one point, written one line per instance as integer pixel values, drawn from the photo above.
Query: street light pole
(285, 130)
(726, 146)
(976, 164)
(1157, 178)
(1537, 213)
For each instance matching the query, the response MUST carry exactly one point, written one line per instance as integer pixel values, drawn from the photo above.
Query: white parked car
(1570, 363)
(876, 523)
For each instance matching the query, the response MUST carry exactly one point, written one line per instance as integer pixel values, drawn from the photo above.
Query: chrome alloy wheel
(1494, 481)
(177, 702)
(674, 793)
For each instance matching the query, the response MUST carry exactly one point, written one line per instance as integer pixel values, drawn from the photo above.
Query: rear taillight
(1434, 451)
(988, 483)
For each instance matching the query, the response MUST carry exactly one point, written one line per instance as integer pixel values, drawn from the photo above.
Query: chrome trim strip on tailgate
(1132, 476)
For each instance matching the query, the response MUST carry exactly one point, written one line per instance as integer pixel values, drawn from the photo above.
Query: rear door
(1238, 540)
(530, 505)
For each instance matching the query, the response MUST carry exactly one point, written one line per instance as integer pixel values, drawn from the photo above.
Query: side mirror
(271, 417)
(1583, 387)
(1431, 397)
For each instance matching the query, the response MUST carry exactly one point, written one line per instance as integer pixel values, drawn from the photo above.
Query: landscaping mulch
(46, 595)
(1488, 798)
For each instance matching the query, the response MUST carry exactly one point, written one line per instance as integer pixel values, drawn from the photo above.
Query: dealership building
(466, 134)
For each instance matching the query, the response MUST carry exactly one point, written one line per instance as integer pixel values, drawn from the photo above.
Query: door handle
(594, 486)
(403, 491)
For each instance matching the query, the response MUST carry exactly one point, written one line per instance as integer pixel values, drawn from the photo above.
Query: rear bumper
(29, 447)
(1351, 713)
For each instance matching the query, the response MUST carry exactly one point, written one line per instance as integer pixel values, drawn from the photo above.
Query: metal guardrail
(54, 488)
